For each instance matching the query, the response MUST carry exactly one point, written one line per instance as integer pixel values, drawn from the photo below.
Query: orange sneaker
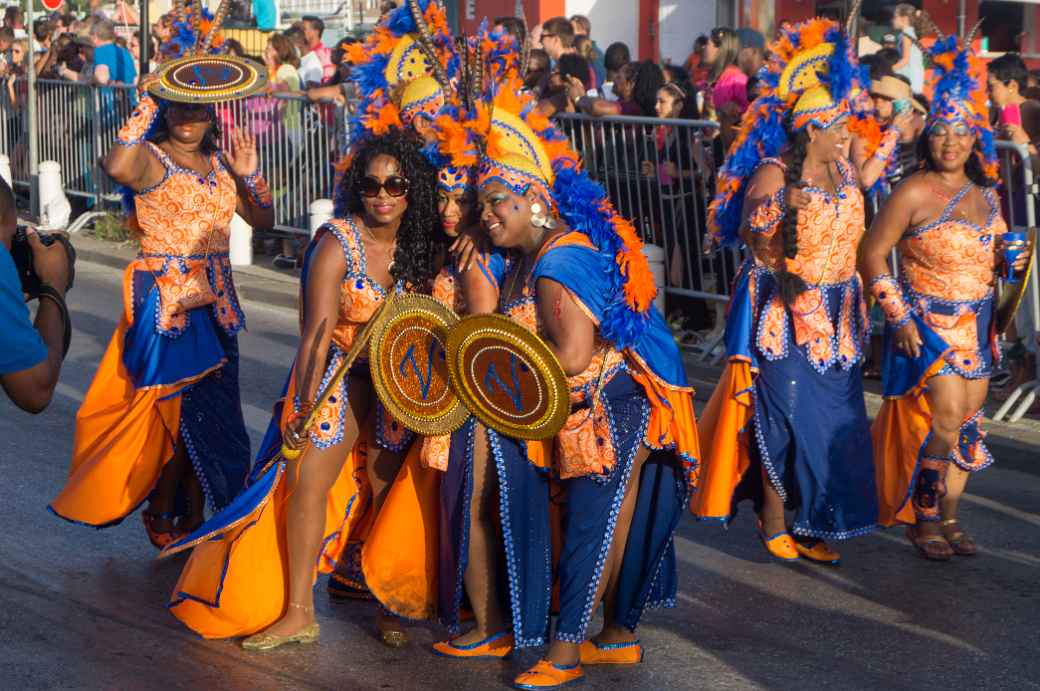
(628, 653)
(546, 675)
(780, 545)
(819, 552)
(495, 646)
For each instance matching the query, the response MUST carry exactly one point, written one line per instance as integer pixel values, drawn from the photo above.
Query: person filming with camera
(31, 353)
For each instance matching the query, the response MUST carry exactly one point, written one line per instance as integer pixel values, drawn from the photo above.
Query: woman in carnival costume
(353, 503)
(625, 458)
(163, 412)
(787, 425)
(940, 340)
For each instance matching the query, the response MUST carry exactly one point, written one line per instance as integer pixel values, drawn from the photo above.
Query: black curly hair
(160, 131)
(973, 168)
(647, 78)
(792, 285)
(420, 239)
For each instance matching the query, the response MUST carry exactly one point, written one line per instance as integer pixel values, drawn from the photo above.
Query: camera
(21, 253)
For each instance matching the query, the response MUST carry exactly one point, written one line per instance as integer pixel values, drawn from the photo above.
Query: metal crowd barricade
(660, 174)
(298, 141)
(1020, 195)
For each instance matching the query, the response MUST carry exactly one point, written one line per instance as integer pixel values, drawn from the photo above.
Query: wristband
(136, 127)
(889, 294)
(47, 291)
(259, 192)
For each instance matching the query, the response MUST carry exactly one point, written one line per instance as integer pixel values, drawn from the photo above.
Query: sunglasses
(395, 186)
(942, 130)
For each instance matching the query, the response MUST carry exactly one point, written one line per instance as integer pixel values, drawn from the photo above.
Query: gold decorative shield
(507, 377)
(1011, 294)
(407, 359)
(208, 79)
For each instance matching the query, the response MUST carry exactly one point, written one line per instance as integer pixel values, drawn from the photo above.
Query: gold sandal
(269, 641)
(963, 545)
(930, 546)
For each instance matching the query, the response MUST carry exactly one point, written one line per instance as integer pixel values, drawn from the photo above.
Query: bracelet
(259, 192)
(48, 291)
(889, 294)
(888, 145)
(768, 214)
(135, 129)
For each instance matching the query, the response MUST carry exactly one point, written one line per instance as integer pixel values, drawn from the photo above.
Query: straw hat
(895, 89)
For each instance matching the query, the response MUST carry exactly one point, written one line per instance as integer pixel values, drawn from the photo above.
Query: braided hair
(419, 239)
(792, 285)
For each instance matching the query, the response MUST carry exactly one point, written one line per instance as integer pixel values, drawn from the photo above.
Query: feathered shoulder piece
(517, 146)
(806, 81)
(959, 96)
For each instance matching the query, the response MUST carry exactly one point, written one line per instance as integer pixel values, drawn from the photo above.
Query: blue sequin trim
(510, 550)
(615, 509)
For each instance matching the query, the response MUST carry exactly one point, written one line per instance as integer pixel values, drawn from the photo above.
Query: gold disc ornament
(208, 79)
(507, 377)
(1011, 294)
(408, 364)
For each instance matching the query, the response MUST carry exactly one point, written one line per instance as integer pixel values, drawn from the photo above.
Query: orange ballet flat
(628, 653)
(495, 646)
(819, 552)
(781, 545)
(546, 675)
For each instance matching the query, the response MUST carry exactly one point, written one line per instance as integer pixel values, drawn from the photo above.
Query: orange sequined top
(951, 258)
(185, 224)
(361, 295)
(829, 231)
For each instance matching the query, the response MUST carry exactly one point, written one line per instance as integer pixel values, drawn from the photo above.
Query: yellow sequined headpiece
(804, 74)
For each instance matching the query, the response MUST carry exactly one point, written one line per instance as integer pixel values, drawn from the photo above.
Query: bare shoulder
(914, 190)
(767, 179)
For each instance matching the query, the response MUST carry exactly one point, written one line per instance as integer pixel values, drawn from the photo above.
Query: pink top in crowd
(731, 87)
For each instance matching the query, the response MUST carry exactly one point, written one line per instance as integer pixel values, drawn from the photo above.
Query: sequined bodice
(360, 294)
(950, 258)
(829, 231)
(187, 214)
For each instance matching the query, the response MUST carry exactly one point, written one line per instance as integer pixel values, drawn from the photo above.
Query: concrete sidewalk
(1017, 444)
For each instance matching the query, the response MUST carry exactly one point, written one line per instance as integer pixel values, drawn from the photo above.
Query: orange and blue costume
(633, 394)
(236, 579)
(170, 374)
(946, 287)
(790, 401)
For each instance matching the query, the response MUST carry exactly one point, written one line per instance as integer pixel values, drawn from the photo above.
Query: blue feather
(579, 202)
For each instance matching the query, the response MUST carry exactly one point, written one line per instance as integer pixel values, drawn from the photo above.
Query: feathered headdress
(959, 96)
(807, 81)
(520, 148)
(401, 69)
(195, 30)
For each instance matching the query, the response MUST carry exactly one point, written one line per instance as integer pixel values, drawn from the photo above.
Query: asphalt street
(85, 609)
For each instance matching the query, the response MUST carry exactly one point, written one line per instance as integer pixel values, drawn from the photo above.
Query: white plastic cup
(655, 257)
(241, 245)
(321, 212)
(5, 170)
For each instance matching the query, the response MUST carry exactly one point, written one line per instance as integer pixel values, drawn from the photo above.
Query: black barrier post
(143, 39)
